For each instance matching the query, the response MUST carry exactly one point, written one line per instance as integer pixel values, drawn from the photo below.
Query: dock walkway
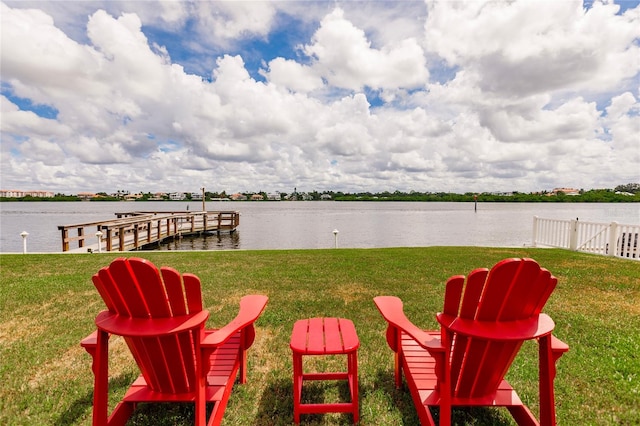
(134, 230)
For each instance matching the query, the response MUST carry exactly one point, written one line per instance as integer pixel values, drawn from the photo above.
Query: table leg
(353, 384)
(297, 386)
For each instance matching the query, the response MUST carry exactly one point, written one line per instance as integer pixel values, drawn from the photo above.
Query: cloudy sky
(341, 95)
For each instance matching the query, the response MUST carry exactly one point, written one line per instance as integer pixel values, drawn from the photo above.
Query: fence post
(535, 231)
(573, 237)
(613, 239)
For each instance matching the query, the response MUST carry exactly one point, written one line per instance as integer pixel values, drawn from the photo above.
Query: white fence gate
(610, 239)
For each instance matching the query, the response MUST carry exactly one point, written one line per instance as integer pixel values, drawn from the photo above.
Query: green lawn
(47, 305)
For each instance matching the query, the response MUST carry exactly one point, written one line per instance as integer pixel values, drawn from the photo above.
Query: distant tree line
(620, 194)
(591, 196)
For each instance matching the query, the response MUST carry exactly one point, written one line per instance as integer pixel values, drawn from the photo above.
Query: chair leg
(522, 415)
(202, 356)
(243, 366)
(101, 379)
(398, 369)
(547, 371)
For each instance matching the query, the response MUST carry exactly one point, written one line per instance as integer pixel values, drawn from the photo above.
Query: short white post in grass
(335, 237)
(24, 241)
(99, 235)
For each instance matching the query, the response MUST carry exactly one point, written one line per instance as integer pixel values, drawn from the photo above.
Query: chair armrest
(250, 309)
(558, 345)
(90, 341)
(148, 327)
(391, 309)
(526, 329)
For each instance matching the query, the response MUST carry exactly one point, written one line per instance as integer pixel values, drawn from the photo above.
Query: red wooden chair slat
(111, 296)
(151, 288)
(465, 346)
(494, 296)
(192, 292)
(175, 291)
(526, 287)
(114, 302)
(182, 355)
(454, 287)
(159, 313)
(483, 326)
(125, 283)
(472, 293)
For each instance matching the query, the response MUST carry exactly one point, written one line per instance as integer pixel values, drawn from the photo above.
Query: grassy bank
(47, 304)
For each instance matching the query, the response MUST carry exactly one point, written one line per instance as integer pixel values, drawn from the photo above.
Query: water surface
(309, 225)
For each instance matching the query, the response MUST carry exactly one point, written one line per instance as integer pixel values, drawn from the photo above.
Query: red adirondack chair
(483, 325)
(159, 313)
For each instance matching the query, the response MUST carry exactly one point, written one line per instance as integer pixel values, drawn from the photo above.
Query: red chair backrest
(133, 287)
(514, 289)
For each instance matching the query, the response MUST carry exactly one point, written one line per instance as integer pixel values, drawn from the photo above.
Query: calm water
(306, 225)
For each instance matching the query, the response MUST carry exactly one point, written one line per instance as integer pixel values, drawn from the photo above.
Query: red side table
(325, 336)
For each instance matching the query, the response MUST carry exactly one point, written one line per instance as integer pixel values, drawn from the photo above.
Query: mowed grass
(48, 304)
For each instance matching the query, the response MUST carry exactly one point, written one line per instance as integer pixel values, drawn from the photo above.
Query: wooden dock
(135, 230)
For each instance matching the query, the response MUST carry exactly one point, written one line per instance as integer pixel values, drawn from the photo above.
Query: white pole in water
(204, 208)
(24, 241)
(99, 235)
(335, 237)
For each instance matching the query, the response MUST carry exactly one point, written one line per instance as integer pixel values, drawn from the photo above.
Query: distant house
(177, 196)
(274, 196)
(257, 197)
(158, 196)
(11, 193)
(14, 193)
(86, 195)
(196, 196)
(238, 197)
(306, 197)
(565, 191)
(325, 197)
(133, 197)
(40, 194)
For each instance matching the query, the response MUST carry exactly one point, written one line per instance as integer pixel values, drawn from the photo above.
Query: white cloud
(292, 75)
(17, 122)
(47, 152)
(230, 20)
(623, 122)
(520, 48)
(345, 58)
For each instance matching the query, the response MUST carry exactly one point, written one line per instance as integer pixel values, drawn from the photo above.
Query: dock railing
(609, 239)
(134, 230)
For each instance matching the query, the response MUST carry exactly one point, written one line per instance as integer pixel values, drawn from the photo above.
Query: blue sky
(342, 96)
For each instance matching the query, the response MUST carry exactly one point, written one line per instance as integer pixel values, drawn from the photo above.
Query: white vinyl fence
(610, 239)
